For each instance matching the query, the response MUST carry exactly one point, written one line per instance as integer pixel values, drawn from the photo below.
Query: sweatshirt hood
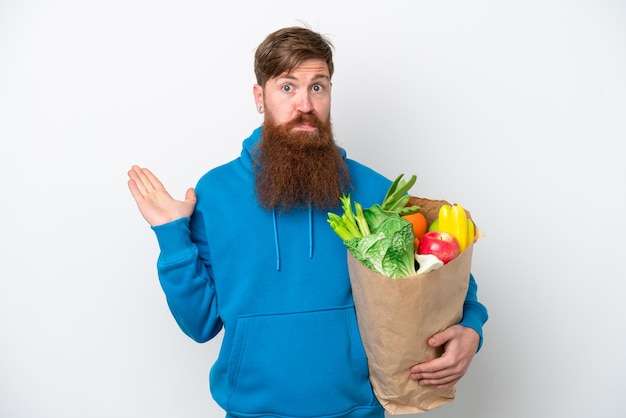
(248, 154)
(249, 151)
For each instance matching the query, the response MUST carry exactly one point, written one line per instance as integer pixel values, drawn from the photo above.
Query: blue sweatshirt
(278, 285)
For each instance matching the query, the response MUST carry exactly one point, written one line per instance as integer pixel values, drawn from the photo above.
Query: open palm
(156, 205)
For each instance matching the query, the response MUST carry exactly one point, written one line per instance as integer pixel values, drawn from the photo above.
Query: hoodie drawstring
(310, 232)
(277, 247)
(276, 240)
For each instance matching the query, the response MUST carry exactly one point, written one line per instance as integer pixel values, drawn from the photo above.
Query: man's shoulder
(368, 185)
(361, 170)
(220, 172)
(240, 164)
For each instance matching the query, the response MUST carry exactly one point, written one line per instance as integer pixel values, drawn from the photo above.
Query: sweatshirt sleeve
(474, 313)
(186, 281)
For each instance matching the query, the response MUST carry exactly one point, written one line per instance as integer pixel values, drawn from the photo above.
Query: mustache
(304, 118)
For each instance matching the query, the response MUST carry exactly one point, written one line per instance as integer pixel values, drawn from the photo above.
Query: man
(249, 250)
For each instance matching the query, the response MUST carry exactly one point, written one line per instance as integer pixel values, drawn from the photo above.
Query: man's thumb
(438, 339)
(190, 195)
(433, 341)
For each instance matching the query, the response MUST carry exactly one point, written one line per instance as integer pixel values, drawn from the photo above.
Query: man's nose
(304, 103)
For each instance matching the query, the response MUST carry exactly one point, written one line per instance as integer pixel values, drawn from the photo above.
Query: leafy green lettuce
(388, 250)
(378, 236)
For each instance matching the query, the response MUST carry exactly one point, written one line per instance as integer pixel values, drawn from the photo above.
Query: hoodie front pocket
(287, 364)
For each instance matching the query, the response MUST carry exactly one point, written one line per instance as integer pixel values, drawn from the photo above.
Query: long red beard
(295, 169)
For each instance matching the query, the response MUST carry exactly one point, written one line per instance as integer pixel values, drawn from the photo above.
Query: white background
(513, 108)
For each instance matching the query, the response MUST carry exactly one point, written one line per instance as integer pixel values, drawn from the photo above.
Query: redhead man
(249, 251)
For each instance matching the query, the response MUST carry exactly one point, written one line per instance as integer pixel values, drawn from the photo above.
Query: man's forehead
(311, 68)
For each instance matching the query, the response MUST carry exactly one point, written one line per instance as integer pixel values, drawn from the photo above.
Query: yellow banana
(445, 220)
(459, 222)
(471, 231)
(454, 220)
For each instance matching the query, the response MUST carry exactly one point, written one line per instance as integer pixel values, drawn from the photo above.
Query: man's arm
(184, 277)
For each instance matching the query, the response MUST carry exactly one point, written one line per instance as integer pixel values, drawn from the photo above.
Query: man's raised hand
(156, 205)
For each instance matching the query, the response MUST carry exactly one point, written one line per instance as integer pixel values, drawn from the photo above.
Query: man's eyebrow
(320, 76)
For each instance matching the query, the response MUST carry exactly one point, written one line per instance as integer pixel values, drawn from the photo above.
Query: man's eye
(317, 87)
(287, 88)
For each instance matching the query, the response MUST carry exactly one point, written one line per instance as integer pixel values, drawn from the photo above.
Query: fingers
(137, 182)
(430, 369)
(444, 371)
(436, 373)
(134, 190)
(143, 181)
(156, 205)
(442, 383)
(152, 179)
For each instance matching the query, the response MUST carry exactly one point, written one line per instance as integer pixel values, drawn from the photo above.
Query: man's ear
(257, 91)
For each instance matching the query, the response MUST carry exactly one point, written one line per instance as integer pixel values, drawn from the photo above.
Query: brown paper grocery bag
(397, 316)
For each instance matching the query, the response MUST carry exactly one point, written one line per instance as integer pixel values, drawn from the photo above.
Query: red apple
(441, 244)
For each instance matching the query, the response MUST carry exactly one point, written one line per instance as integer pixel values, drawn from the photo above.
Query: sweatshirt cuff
(174, 239)
(474, 317)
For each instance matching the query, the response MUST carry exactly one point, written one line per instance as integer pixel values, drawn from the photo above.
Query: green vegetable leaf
(338, 225)
(374, 216)
(389, 251)
(397, 197)
(369, 250)
(399, 259)
(378, 236)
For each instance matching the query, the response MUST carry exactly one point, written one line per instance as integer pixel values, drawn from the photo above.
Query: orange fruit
(420, 225)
